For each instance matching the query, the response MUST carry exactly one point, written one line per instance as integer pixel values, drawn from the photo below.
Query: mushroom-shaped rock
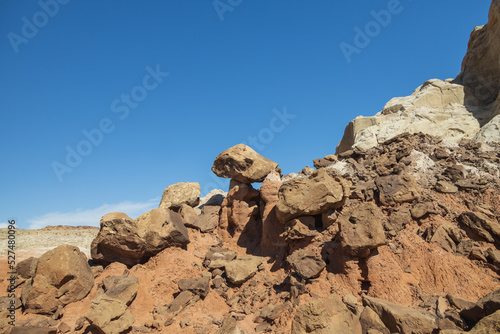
(243, 164)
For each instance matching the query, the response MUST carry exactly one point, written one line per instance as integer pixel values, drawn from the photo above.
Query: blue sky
(148, 93)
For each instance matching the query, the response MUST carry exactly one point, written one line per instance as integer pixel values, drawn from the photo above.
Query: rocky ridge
(397, 233)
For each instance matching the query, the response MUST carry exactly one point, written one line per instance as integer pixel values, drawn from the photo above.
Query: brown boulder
(199, 285)
(401, 319)
(479, 226)
(241, 269)
(243, 164)
(324, 316)
(27, 268)
(130, 242)
(63, 276)
(175, 195)
(306, 263)
(361, 229)
(310, 196)
(485, 306)
(395, 189)
(271, 241)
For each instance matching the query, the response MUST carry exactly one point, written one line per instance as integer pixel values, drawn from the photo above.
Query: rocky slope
(398, 234)
(467, 107)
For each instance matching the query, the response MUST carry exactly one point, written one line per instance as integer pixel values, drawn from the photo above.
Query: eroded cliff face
(467, 107)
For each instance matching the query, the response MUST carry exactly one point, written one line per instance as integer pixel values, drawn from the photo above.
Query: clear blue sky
(87, 65)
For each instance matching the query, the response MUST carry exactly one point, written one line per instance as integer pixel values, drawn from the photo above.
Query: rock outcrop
(465, 108)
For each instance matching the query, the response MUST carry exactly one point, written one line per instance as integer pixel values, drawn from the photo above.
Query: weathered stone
(487, 325)
(361, 229)
(310, 196)
(207, 221)
(485, 306)
(242, 164)
(229, 326)
(446, 187)
(27, 268)
(109, 315)
(121, 288)
(398, 220)
(325, 315)
(241, 269)
(480, 226)
(180, 301)
(199, 285)
(300, 228)
(178, 194)
(271, 241)
(370, 320)
(459, 303)
(444, 237)
(63, 276)
(218, 257)
(395, 189)
(421, 210)
(306, 263)
(400, 319)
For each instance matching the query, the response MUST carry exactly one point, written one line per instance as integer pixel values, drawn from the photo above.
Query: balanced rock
(243, 164)
(306, 263)
(63, 276)
(362, 229)
(324, 316)
(310, 196)
(241, 269)
(180, 193)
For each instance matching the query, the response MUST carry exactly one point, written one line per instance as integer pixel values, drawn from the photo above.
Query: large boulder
(324, 316)
(63, 276)
(362, 229)
(243, 164)
(130, 242)
(310, 196)
(180, 193)
(395, 189)
(401, 319)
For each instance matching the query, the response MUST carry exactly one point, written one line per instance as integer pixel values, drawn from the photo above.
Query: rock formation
(397, 233)
(467, 107)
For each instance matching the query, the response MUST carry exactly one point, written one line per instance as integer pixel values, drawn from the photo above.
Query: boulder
(306, 263)
(27, 268)
(480, 227)
(362, 229)
(446, 187)
(487, 325)
(208, 219)
(401, 319)
(117, 241)
(371, 321)
(178, 194)
(180, 301)
(324, 316)
(485, 306)
(130, 242)
(241, 269)
(108, 312)
(199, 285)
(310, 196)
(63, 276)
(300, 228)
(395, 189)
(243, 164)
(218, 257)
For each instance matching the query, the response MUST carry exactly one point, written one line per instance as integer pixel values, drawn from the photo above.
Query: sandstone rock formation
(243, 164)
(465, 108)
